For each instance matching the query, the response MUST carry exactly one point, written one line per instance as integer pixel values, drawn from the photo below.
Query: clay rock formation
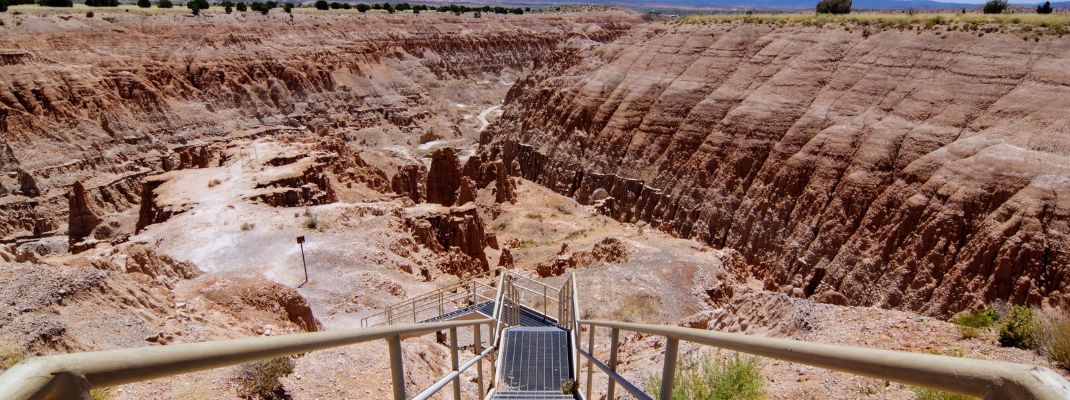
(493, 172)
(84, 110)
(245, 297)
(456, 232)
(151, 211)
(806, 150)
(348, 167)
(409, 181)
(306, 184)
(607, 251)
(466, 191)
(82, 217)
(506, 259)
(444, 177)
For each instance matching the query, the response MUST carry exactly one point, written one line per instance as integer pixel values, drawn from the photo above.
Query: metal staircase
(533, 343)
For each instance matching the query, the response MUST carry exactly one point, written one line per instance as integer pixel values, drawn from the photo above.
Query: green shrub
(932, 394)
(834, 7)
(246, 226)
(1020, 328)
(164, 4)
(635, 308)
(322, 5)
(1044, 8)
(970, 323)
(101, 394)
(716, 378)
(3, 5)
(995, 7)
(261, 379)
(311, 222)
(241, 7)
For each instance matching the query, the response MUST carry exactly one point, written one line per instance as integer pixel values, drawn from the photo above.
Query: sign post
(301, 242)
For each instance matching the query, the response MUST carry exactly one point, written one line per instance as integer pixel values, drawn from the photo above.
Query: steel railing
(72, 376)
(980, 378)
(471, 291)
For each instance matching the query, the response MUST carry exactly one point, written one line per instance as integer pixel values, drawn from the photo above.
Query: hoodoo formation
(171, 176)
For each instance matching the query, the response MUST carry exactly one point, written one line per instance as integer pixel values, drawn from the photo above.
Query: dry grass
(1057, 24)
(10, 354)
(260, 380)
(716, 378)
(1055, 338)
(635, 308)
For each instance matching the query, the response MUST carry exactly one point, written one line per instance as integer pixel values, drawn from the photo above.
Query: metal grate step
(535, 359)
(531, 395)
(528, 317)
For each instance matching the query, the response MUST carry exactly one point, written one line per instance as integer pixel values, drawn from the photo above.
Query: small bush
(322, 5)
(995, 7)
(932, 394)
(535, 216)
(834, 7)
(970, 323)
(89, 14)
(311, 222)
(260, 380)
(1056, 339)
(245, 226)
(3, 8)
(144, 3)
(1020, 328)
(101, 394)
(569, 386)
(164, 4)
(716, 378)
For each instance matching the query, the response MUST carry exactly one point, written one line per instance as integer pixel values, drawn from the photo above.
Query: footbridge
(530, 336)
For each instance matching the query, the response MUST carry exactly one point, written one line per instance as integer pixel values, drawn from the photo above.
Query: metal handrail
(429, 295)
(980, 378)
(71, 376)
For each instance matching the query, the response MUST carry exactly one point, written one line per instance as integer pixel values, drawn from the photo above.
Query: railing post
(397, 368)
(668, 371)
(614, 336)
(455, 363)
(477, 344)
(414, 312)
(590, 361)
(441, 310)
(545, 300)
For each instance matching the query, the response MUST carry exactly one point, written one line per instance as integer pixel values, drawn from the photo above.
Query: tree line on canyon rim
(990, 7)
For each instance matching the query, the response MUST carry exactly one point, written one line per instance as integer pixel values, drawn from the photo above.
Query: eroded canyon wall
(104, 102)
(923, 170)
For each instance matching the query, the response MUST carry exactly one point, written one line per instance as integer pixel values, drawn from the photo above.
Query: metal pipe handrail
(410, 309)
(441, 383)
(426, 307)
(980, 378)
(427, 295)
(72, 375)
(624, 383)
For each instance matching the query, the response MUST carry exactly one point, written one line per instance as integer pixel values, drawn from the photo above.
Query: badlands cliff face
(105, 103)
(919, 170)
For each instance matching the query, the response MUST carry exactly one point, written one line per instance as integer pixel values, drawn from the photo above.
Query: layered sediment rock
(456, 232)
(444, 177)
(409, 181)
(82, 217)
(85, 109)
(925, 171)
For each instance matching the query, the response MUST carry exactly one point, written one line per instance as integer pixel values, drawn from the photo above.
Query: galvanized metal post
(668, 371)
(614, 336)
(414, 311)
(477, 344)
(590, 362)
(397, 368)
(455, 363)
